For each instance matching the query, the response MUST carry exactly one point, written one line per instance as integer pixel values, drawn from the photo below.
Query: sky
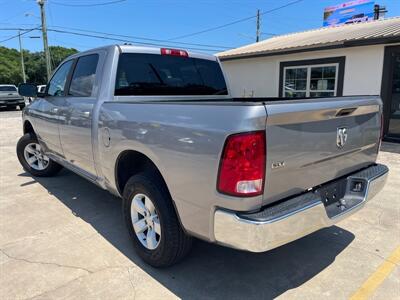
(169, 21)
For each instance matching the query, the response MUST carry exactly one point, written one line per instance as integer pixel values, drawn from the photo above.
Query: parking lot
(63, 237)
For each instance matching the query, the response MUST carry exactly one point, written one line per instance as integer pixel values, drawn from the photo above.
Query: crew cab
(158, 128)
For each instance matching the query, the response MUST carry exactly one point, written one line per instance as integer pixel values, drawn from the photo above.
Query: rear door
(77, 112)
(310, 142)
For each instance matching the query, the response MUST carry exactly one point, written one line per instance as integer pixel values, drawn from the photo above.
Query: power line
(17, 28)
(15, 36)
(71, 44)
(235, 22)
(87, 5)
(268, 33)
(212, 29)
(13, 16)
(142, 38)
(123, 40)
(103, 35)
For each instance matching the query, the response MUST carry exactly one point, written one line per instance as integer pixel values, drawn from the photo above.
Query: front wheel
(153, 225)
(32, 159)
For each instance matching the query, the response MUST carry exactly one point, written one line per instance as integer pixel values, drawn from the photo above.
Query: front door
(391, 93)
(47, 115)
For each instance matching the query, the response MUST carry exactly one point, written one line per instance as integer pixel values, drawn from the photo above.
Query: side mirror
(27, 90)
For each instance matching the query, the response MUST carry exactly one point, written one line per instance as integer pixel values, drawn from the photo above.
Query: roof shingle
(327, 36)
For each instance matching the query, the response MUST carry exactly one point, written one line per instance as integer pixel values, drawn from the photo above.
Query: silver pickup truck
(158, 128)
(10, 98)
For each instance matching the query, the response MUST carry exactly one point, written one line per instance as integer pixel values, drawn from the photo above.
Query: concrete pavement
(63, 237)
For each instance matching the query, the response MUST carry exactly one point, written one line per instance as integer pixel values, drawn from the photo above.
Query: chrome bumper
(296, 217)
(12, 101)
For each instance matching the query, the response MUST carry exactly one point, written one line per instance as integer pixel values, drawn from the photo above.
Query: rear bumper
(296, 217)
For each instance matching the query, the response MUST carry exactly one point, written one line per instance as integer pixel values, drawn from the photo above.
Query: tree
(35, 66)
(10, 67)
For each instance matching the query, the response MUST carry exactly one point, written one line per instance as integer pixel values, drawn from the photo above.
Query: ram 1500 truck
(158, 128)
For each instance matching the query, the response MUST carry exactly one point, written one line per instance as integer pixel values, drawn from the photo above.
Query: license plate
(332, 192)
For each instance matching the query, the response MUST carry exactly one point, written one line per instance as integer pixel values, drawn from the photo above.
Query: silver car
(10, 98)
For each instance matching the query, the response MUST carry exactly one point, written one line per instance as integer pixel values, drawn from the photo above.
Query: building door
(391, 93)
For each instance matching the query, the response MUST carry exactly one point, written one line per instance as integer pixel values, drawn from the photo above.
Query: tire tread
(177, 243)
(51, 170)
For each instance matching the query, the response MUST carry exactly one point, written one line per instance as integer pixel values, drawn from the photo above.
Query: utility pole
(379, 12)
(45, 42)
(258, 26)
(22, 57)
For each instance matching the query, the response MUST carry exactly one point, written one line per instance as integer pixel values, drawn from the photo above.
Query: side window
(84, 75)
(57, 82)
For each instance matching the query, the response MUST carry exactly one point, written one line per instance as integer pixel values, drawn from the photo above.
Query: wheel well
(130, 163)
(28, 128)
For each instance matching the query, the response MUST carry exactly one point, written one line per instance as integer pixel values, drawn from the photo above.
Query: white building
(356, 59)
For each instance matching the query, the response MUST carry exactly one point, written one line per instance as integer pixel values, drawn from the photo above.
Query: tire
(49, 169)
(12, 107)
(173, 244)
(21, 106)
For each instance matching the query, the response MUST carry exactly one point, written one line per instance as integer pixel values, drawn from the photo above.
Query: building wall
(259, 77)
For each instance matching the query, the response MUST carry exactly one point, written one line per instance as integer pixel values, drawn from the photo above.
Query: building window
(312, 78)
(310, 81)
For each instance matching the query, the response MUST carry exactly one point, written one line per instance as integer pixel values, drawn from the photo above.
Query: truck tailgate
(307, 144)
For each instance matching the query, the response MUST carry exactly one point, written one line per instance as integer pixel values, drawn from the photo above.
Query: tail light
(242, 166)
(174, 52)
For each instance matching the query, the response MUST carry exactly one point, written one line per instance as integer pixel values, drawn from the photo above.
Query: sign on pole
(355, 11)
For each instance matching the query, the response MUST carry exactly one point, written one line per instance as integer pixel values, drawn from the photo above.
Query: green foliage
(35, 66)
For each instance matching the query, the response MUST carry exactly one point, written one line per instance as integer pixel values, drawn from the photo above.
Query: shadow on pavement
(390, 147)
(209, 271)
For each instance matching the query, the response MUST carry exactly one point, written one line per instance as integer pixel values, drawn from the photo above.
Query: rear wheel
(153, 225)
(32, 159)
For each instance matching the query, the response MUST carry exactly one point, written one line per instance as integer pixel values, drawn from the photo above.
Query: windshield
(8, 88)
(151, 74)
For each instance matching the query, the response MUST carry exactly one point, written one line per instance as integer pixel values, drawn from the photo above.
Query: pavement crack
(132, 284)
(58, 287)
(44, 263)
(380, 219)
(74, 280)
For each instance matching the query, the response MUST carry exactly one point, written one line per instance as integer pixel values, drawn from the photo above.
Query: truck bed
(185, 139)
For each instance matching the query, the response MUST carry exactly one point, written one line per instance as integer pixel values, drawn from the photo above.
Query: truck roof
(127, 48)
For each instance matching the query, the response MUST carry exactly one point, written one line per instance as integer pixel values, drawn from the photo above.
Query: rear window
(151, 74)
(8, 88)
